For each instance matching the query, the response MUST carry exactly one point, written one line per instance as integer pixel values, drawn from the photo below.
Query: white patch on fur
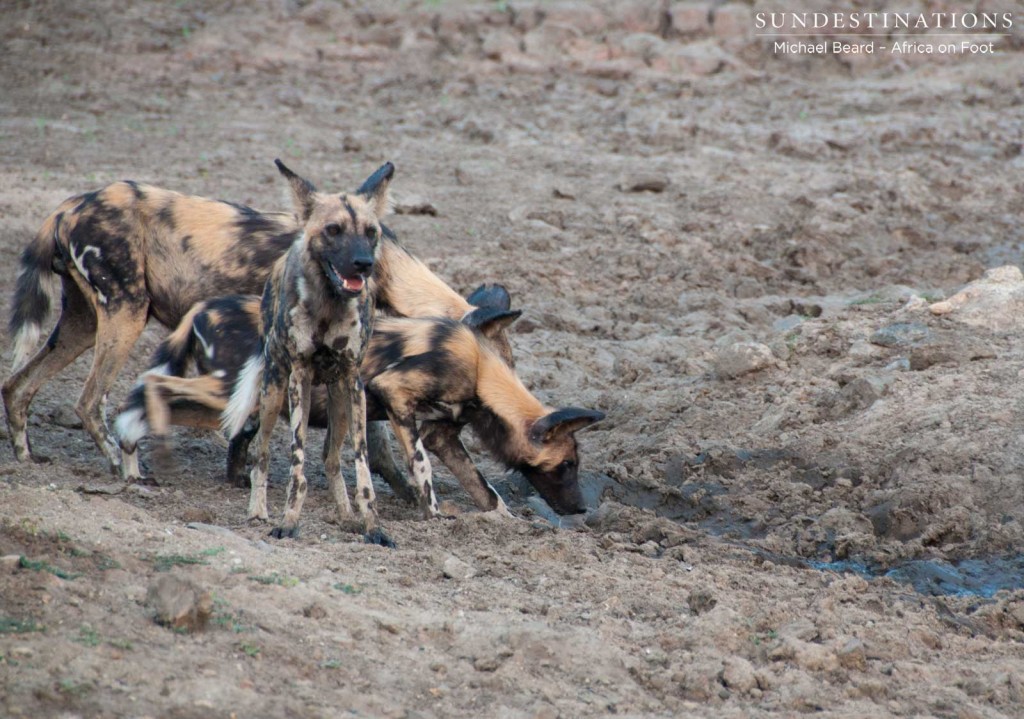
(130, 426)
(207, 348)
(244, 396)
(24, 342)
(79, 259)
(219, 373)
(303, 288)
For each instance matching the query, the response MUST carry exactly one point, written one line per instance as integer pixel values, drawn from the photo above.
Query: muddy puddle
(978, 577)
(704, 504)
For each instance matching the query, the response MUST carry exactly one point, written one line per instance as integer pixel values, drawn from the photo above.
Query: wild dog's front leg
(366, 501)
(442, 438)
(404, 425)
(299, 385)
(271, 399)
(337, 424)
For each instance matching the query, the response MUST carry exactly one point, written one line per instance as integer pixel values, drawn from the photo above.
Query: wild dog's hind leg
(337, 426)
(116, 334)
(238, 450)
(442, 438)
(74, 333)
(404, 425)
(299, 386)
(382, 461)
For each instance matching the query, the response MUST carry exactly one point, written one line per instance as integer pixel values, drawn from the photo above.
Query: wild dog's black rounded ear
(302, 191)
(375, 189)
(489, 321)
(561, 422)
(491, 294)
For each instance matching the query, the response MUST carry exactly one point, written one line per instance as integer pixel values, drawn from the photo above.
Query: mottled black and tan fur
(316, 315)
(129, 251)
(428, 376)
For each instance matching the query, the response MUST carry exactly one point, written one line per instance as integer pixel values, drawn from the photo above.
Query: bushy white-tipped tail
(131, 426)
(37, 289)
(24, 342)
(244, 396)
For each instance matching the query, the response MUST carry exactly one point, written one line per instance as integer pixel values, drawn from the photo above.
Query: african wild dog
(316, 315)
(437, 371)
(131, 251)
(218, 336)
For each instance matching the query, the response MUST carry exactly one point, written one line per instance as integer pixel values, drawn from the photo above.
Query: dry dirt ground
(810, 483)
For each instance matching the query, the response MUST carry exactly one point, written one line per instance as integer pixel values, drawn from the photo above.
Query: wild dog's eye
(567, 465)
(332, 230)
(371, 232)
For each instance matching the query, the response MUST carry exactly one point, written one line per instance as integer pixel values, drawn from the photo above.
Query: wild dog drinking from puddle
(431, 377)
(316, 315)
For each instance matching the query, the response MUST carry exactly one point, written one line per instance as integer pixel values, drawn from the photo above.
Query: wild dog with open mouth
(316, 315)
(431, 377)
(131, 251)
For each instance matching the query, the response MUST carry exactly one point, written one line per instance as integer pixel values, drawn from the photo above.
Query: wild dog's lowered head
(316, 317)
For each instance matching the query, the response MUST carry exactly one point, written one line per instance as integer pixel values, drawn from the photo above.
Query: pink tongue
(353, 284)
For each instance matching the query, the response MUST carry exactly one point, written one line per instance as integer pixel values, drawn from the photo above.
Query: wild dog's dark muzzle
(348, 270)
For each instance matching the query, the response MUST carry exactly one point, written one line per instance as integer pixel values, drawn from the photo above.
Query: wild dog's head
(342, 231)
(553, 470)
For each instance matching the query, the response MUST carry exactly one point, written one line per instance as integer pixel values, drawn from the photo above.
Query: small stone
(738, 674)
(651, 549)
(645, 182)
(859, 394)
(701, 600)
(742, 358)
(900, 364)
(200, 515)
(65, 416)
(314, 611)
(415, 205)
(179, 604)
(900, 334)
(733, 21)
(455, 568)
(690, 18)
(853, 655)
(802, 629)
(499, 44)
(10, 562)
(290, 97)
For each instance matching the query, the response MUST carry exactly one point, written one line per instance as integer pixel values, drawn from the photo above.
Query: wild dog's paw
(285, 532)
(378, 536)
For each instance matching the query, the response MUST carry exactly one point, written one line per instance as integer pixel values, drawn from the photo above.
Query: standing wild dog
(442, 373)
(130, 251)
(316, 316)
